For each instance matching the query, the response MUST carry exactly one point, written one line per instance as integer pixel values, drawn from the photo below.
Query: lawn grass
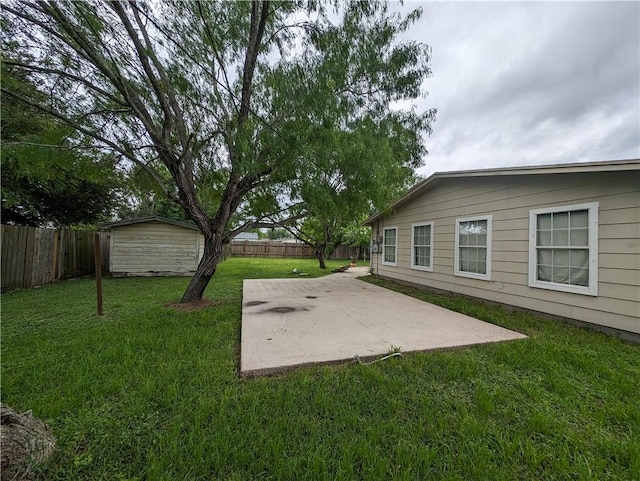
(151, 393)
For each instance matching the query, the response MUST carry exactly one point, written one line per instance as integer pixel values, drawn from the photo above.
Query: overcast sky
(523, 83)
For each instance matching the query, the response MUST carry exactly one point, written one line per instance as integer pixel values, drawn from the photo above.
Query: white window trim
(456, 252)
(384, 238)
(413, 265)
(592, 288)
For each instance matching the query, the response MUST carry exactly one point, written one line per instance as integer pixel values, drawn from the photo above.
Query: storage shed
(562, 240)
(154, 246)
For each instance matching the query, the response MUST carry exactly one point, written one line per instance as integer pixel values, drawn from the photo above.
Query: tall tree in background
(225, 99)
(359, 237)
(145, 198)
(46, 180)
(353, 172)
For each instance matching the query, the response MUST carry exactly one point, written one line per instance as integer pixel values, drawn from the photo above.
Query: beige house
(154, 246)
(563, 240)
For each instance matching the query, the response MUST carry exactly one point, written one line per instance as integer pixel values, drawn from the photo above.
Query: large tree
(359, 237)
(46, 179)
(352, 173)
(225, 98)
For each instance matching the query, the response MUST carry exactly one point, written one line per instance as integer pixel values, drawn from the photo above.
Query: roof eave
(602, 166)
(141, 220)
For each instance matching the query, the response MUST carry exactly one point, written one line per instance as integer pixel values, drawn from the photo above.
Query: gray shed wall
(154, 248)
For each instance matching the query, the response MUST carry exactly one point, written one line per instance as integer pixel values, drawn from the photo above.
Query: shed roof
(604, 166)
(141, 220)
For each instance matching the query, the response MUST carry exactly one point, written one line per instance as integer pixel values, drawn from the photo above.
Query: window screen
(422, 245)
(562, 247)
(390, 245)
(472, 246)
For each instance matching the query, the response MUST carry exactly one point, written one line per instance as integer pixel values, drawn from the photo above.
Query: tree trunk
(320, 256)
(25, 442)
(211, 257)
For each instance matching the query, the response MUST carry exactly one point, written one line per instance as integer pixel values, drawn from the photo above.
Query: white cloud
(531, 83)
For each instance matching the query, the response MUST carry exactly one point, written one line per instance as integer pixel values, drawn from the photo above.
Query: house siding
(508, 199)
(152, 248)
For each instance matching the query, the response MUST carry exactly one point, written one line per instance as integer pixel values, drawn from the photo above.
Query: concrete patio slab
(294, 322)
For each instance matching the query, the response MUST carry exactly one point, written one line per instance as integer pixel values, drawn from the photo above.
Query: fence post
(98, 263)
(54, 262)
(74, 243)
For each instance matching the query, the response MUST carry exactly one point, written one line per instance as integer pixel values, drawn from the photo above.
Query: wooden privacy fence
(32, 256)
(249, 248)
(347, 252)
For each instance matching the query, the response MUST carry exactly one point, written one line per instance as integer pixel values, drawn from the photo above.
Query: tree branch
(258, 224)
(82, 45)
(300, 235)
(143, 56)
(96, 136)
(166, 84)
(218, 59)
(212, 75)
(83, 80)
(302, 24)
(256, 33)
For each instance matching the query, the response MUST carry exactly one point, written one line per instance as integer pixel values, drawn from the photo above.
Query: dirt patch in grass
(196, 306)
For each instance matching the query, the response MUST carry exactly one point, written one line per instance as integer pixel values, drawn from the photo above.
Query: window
(472, 254)
(422, 246)
(563, 248)
(389, 246)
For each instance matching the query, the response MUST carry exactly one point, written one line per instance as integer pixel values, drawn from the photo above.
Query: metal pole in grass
(97, 255)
